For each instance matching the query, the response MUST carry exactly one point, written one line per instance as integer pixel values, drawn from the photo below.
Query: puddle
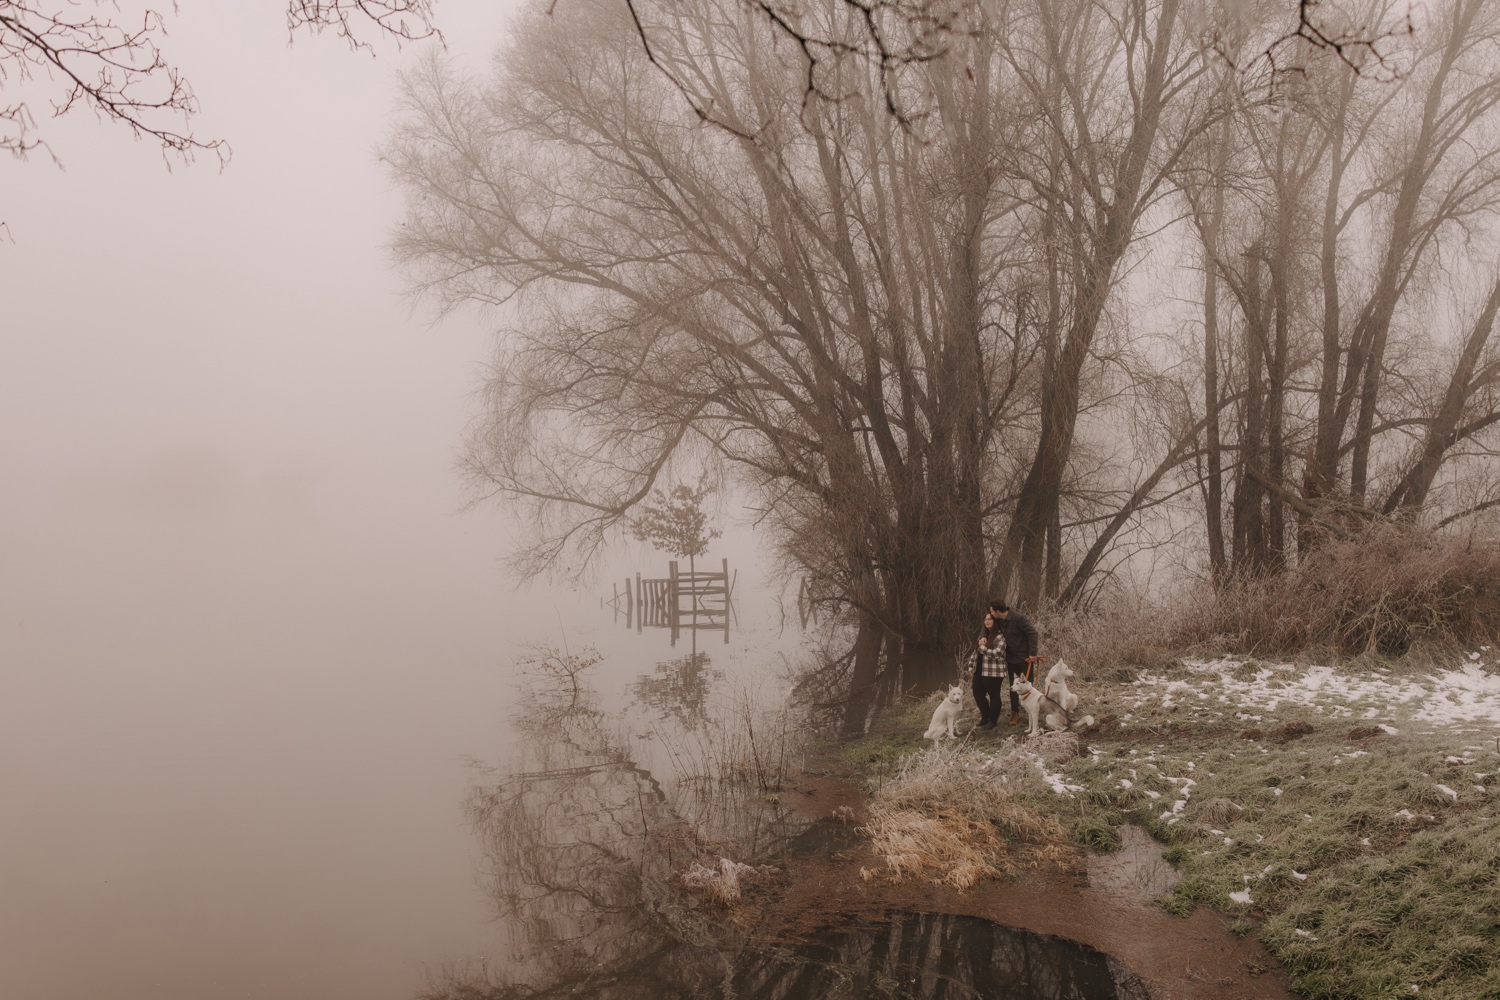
(1105, 912)
(1137, 871)
(935, 955)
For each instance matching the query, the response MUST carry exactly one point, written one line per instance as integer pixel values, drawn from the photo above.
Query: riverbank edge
(1331, 834)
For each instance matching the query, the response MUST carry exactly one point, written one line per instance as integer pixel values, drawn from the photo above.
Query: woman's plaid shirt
(992, 661)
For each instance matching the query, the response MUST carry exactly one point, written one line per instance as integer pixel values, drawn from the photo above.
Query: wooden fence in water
(698, 601)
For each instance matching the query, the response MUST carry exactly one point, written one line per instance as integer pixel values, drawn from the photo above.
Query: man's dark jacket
(1020, 637)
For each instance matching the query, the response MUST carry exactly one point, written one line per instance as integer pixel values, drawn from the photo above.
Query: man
(1020, 645)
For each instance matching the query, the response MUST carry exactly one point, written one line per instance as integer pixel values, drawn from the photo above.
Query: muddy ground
(1104, 901)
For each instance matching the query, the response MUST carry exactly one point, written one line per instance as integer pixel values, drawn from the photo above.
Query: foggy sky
(244, 625)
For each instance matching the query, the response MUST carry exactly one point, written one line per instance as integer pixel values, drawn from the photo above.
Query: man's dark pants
(1012, 670)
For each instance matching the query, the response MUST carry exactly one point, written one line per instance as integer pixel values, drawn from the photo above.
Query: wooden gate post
(674, 608)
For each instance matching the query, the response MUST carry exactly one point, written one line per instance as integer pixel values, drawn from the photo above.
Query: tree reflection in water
(927, 956)
(584, 847)
(678, 689)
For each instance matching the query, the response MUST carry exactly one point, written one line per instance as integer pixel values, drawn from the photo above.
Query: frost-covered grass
(1345, 813)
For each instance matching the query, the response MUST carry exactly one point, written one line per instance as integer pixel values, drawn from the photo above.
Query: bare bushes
(1385, 590)
(1123, 633)
(1390, 589)
(953, 816)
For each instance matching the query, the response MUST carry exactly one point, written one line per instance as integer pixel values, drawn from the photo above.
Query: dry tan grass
(1054, 747)
(1393, 589)
(953, 817)
(946, 846)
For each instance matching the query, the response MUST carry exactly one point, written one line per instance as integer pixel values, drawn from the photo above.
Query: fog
(249, 633)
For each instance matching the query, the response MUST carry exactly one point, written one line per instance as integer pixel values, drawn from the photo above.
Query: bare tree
(1114, 88)
(1424, 183)
(813, 302)
(90, 54)
(1399, 168)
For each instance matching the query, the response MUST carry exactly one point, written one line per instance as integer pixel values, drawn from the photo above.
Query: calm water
(234, 728)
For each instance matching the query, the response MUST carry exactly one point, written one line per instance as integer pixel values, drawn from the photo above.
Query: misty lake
(255, 763)
(236, 744)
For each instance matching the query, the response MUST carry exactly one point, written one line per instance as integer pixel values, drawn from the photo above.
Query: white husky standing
(945, 716)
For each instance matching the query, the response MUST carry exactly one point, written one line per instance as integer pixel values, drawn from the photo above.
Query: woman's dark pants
(987, 697)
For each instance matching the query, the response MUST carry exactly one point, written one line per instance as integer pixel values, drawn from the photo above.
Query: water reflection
(586, 846)
(928, 956)
(678, 689)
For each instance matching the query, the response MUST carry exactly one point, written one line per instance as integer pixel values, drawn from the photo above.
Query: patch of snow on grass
(1466, 694)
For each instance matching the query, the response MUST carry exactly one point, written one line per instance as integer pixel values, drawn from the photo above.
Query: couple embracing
(1005, 644)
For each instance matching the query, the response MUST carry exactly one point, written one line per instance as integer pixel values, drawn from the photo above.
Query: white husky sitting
(1056, 686)
(1040, 709)
(945, 716)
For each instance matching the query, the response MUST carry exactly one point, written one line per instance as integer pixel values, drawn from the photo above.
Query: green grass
(1387, 903)
(896, 732)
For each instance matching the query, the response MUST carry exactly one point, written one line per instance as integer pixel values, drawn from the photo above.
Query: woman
(989, 672)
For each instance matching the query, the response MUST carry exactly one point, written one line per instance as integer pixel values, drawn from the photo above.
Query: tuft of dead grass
(946, 846)
(722, 883)
(954, 816)
(1054, 747)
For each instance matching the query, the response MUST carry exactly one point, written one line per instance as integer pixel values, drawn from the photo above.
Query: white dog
(945, 716)
(1040, 710)
(1056, 686)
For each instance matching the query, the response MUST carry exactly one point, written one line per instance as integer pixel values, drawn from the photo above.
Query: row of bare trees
(1106, 282)
(1350, 224)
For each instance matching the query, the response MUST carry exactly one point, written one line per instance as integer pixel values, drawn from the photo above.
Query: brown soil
(1191, 958)
(826, 797)
(1288, 731)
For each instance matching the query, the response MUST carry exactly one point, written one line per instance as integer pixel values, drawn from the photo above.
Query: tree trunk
(1098, 254)
(1249, 495)
(863, 686)
(1276, 373)
(1214, 502)
(1410, 494)
(1321, 471)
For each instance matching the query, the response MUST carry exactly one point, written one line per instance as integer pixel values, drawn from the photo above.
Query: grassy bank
(1342, 814)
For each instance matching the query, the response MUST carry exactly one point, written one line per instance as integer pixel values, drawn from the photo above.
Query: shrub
(1386, 590)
